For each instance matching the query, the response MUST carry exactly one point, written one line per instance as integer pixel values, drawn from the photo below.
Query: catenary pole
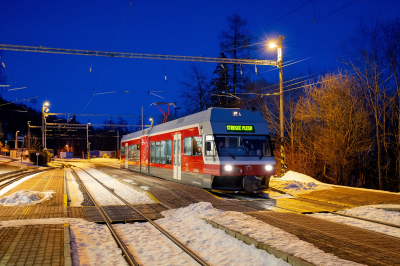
(281, 113)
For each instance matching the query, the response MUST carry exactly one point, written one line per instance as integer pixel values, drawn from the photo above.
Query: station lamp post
(45, 109)
(16, 140)
(281, 115)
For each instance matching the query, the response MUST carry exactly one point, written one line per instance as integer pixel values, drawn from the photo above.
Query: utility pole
(29, 137)
(117, 140)
(16, 140)
(142, 117)
(282, 122)
(87, 140)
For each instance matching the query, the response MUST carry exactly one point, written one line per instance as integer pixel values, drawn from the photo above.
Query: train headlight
(228, 167)
(268, 167)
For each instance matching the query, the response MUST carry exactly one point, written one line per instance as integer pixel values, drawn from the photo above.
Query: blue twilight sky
(160, 27)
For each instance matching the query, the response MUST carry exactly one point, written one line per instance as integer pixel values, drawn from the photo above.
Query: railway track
(316, 203)
(11, 178)
(128, 256)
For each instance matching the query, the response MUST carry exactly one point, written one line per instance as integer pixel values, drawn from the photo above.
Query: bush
(43, 158)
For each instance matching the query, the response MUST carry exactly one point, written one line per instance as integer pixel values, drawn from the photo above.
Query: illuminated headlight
(268, 167)
(228, 167)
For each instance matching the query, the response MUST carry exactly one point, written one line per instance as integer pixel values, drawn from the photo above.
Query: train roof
(217, 117)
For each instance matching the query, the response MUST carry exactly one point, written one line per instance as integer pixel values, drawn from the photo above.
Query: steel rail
(171, 237)
(17, 177)
(128, 256)
(50, 50)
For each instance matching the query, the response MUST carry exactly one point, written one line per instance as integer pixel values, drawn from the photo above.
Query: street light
(151, 119)
(87, 140)
(45, 109)
(280, 65)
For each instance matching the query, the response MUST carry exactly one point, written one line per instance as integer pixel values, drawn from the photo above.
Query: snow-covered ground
(380, 228)
(372, 213)
(26, 197)
(13, 185)
(265, 233)
(102, 195)
(75, 195)
(129, 194)
(295, 183)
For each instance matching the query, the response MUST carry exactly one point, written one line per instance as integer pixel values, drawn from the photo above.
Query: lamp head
(151, 119)
(46, 103)
(272, 45)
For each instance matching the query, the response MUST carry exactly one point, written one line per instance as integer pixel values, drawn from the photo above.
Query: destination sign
(239, 128)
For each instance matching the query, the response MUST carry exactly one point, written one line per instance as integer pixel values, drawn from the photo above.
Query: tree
(196, 90)
(220, 86)
(236, 43)
(335, 125)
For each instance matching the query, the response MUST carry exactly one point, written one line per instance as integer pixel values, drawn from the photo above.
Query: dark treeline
(341, 127)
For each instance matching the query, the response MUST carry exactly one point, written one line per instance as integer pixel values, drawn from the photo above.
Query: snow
(211, 244)
(129, 194)
(391, 217)
(102, 195)
(93, 244)
(74, 193)
(292, 175)
(144, 187)
(26, 197)
(296, 187)
(13, 185)
(129, 181)
(383, 229)
(262, 232)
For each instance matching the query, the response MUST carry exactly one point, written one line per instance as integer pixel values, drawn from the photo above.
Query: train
(218, 149)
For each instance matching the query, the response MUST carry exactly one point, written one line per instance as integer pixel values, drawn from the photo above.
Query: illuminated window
(236, 113)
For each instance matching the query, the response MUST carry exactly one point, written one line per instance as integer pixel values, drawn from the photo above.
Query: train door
(177, 156)
(126, 155)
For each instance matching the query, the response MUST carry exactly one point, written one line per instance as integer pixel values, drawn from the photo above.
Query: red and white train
(220, 149)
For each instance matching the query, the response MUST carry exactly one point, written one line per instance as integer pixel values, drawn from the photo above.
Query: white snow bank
(26, 197)
(256, 229)
(144, 187)
(129, 194)
(18, 223)
(296, 187)
(380, 228)
(390, 217)
(13, 185)
(292, 175)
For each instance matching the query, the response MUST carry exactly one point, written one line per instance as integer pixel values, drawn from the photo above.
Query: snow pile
(26, 197)
(129, 194)
(292, 175)
(297, 187)
(380, 228)
(390, 217)
(256, 229)
(144, 187)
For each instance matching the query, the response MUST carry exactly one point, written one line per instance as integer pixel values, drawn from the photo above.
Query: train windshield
(243, 146)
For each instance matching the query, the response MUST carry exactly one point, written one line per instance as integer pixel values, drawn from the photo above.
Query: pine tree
(220, 85)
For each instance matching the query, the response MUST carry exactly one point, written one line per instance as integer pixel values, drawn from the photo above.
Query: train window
(248, 146)
(153, 152)
(131, 152)
(193, 146)
(122, 151)
(163, 155)
(168, 150)
(210, 146)
(187, 146)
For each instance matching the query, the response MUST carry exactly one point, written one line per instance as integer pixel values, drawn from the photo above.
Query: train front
(238, 150)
